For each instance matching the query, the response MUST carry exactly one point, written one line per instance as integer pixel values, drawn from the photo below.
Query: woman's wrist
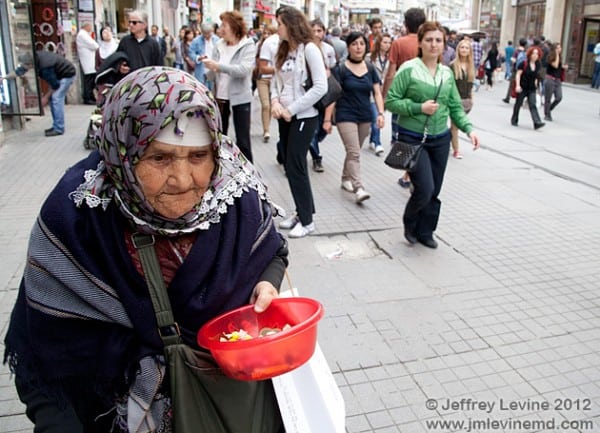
(326, 120)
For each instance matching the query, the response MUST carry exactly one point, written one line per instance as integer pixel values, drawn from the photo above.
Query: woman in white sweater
(230, 66)
(292, 104)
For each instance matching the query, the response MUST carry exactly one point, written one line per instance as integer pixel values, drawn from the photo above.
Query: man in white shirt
(86, 50)
(266, 68)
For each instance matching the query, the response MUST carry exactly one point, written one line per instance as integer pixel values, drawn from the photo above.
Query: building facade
(52, 25)
(575, 24)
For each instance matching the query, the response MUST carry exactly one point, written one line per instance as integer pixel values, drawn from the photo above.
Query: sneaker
(378, 150)
(404, 183)
(347, 186)
(457, 154)
(318, 166)
(361, 195)
(290, 222)
(266, 137)
(52, 133)
(372, 146)
(299, 231)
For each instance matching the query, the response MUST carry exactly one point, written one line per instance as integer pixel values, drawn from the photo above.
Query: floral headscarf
(138, 107)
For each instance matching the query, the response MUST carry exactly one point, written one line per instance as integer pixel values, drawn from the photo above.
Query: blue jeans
(375, 133)
(241, 123)
(508, 71)
(57, 104)
(596, 76)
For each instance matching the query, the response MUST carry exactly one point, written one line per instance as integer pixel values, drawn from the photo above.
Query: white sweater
(86, 50)
(290, 92)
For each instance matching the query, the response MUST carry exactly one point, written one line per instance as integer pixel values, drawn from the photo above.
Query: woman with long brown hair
(189, 62)
(555, 73)
(464, 76)
(298, 57)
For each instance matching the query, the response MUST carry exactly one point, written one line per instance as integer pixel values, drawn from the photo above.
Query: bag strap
(425, 127)
(168, 329)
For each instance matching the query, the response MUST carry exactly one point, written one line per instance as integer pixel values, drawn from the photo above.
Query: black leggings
(241, 123)
(295, 138)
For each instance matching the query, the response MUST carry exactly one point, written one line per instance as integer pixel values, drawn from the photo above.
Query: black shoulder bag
(334, 89)
(204, 400)
(403, 155)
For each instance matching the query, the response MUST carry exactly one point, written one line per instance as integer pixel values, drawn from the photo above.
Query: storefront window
(20, 96)
(530, 21)
(490, 19)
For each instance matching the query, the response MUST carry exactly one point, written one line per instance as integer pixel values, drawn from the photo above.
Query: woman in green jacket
(424, 88)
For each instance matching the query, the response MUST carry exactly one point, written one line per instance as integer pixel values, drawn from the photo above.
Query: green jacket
(413, 85)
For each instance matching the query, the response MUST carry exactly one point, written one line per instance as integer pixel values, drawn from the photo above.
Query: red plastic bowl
(264, 357)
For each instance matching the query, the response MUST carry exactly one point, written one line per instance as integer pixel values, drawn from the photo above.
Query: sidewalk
(506, 310)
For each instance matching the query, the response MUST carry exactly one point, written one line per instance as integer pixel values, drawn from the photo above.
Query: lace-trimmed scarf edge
(95, 191)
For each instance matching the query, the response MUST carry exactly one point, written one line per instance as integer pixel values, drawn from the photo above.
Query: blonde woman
(464, 75)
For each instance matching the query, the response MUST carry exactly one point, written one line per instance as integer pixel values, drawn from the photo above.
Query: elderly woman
(231, 67)
(83, 338)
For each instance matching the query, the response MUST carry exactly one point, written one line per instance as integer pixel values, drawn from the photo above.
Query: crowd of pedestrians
(289, 66)
(178, 177)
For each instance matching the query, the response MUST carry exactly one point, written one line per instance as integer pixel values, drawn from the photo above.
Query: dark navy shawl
(79, 256)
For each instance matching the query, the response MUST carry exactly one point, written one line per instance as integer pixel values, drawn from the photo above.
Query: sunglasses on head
(134, 22)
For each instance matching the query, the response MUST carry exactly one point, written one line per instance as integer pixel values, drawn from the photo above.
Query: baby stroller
(108, 75)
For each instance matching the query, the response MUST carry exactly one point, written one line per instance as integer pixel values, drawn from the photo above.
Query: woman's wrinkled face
(174, 178)
(357, 49)
(432, 44)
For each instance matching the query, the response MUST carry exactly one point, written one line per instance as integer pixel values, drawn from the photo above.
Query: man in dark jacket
(140, 48)
(59, 73)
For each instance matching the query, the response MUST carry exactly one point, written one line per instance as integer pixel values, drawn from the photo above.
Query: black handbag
(403, 155)
(203, 399)
(334, 89)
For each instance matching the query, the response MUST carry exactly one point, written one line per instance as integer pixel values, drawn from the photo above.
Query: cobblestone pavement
(497, 329)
